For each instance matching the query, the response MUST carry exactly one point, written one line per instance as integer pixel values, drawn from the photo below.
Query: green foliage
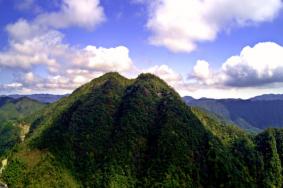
(271, 176)
(114, 132)
(14, 172)
(44, 171)
(9, 136)
(19, 108)
(12, 111)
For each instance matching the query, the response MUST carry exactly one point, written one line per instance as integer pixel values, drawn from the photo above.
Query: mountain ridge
(43, 98)
(116, 132)
(251, 114)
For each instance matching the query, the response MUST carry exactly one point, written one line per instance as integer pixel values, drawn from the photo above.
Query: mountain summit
(116, 132)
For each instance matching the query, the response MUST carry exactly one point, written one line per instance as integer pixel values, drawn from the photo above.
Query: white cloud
(254, 66)
(173, 78)
(82, 13)
(65, 67)
(165, 73)
(105, 59)
(10, 87)
(29, 77)
(261, 64)
(180, 24)
(14, 85)
(202, 70)
(221, 93)
(30, 46)
(23, 30)
(37, 45)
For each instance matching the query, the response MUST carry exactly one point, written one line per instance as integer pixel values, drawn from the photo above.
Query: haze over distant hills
(268, 97)
(44, 98)
(255, 114)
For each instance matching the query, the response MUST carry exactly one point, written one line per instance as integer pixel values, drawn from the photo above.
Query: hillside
(115, 132)
(12, 111)
(254, 114)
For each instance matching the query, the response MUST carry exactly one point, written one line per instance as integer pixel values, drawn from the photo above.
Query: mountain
(188, 98)
(268, 97)
(43, 98)
(116, 132)
(253, 114)
(12, 111)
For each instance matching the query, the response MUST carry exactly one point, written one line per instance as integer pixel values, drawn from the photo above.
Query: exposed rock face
(3, 165)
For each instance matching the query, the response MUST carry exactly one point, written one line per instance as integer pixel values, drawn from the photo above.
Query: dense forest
(116, 132)
(12, 111)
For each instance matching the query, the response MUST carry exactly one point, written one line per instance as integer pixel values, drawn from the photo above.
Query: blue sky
(55, 46)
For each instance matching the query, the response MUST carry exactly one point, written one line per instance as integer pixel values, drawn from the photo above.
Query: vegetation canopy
(116, 132)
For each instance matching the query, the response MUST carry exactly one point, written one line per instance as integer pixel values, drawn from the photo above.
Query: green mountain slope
(12, 111)
(115, 132)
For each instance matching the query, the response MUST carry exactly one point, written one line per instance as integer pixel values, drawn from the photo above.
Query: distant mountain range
(268, 97)
(253, 114)
(43, 98)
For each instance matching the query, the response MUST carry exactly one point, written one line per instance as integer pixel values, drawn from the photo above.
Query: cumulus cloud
(23, 30)
(166, 73)
(30, 46)
(105, 59)
(261, 64)
(173, 78)
(33, 47)
(82, 13)
(254, 71)
(65, 82)
(42, 61)
(180, 25)
(255, 66)
(202, 70)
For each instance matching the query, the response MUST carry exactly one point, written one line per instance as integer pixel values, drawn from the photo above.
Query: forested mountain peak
(118, 132)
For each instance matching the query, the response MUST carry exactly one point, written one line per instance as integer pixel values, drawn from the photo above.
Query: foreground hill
(115, 132)
(12, 111)
(255, 114)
